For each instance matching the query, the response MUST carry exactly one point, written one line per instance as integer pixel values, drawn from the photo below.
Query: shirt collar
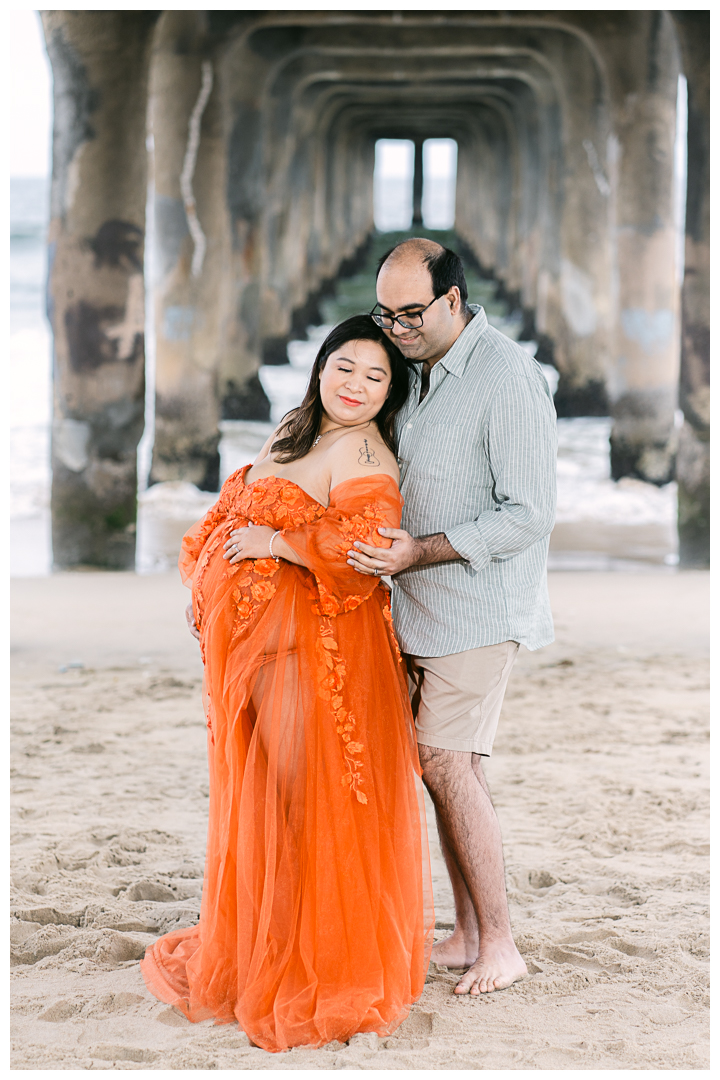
(455, 359)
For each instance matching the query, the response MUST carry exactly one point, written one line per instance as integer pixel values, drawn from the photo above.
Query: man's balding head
(443, 265)
(417, 249)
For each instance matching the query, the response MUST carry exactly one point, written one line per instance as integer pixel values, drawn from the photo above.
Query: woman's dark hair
(301, 427)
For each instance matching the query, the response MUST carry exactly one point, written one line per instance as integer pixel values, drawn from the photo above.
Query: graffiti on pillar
(88, 344)
(116, 241)
(128, 334)
(98, 335)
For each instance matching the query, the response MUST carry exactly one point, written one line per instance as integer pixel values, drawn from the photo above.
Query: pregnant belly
(231, 600)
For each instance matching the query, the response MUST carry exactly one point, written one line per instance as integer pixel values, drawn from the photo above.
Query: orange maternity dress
(316, 919)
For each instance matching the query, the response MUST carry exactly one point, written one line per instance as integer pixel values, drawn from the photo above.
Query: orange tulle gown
(316, 919)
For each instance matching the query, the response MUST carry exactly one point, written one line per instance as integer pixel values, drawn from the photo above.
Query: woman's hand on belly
(252, 542)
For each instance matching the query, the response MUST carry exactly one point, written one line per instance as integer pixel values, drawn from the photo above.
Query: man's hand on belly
(406, 550)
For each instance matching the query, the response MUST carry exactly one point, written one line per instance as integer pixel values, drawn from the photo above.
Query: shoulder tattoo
(368, 456)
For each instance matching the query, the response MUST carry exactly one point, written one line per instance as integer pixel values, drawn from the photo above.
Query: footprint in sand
(60, 1011)
(613, 940)
(149, 890)
(581, 960)
(533, 881)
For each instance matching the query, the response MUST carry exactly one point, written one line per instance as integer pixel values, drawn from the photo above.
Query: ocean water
(30, 381)
(600, 524)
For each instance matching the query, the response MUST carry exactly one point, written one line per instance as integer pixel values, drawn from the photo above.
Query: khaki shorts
(456, 699)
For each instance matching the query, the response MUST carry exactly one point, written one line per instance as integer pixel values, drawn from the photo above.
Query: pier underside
(255, 134)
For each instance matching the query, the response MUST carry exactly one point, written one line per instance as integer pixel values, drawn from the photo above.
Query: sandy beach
(599, 776)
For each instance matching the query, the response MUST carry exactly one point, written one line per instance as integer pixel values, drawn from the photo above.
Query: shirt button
(408, 426)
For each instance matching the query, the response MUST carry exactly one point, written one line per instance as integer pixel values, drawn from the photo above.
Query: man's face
(406, 286)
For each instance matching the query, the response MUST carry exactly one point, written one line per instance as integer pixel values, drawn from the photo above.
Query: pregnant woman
(316, 919)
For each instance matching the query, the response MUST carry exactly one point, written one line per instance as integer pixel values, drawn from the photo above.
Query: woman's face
(354, 383)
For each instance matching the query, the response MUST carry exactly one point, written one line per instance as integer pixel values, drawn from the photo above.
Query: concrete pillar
(350, 151)
(693, 458)
(644, 385)
(545, 233)
(574, 260)
(316, 210)
(243, 72)
(286, 230)
(486, 185)
(96, 284)
(190, 226)
(340, 216)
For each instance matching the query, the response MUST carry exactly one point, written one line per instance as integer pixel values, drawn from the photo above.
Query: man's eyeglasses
(408, 321)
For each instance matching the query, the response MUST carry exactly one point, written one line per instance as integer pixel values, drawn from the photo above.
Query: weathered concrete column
(577, 294)
(348, 214)
(96, 286)
(358, 149)
(644, 385)
(693, 458)
(486, 186)
(190, 235)
(317, 210)
(242, 73)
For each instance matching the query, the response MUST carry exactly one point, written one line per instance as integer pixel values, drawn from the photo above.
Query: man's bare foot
(498, 966)
(455, 951)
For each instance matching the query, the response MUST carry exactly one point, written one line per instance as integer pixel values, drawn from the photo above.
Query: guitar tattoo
(367, 456)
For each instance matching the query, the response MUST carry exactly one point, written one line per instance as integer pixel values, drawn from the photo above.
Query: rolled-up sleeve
(521, 444)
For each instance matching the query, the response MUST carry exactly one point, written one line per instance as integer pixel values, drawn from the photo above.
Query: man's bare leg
(460, 949)
(470, 835)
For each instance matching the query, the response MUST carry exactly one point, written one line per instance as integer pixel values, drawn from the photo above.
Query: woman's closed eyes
(348, 371)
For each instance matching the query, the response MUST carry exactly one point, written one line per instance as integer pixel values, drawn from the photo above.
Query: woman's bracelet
(273, 556)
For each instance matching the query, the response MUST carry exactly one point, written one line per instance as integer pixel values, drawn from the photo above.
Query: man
(477, 450)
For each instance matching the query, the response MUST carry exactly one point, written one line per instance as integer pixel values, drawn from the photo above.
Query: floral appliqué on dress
(331, 674)
(282, 504)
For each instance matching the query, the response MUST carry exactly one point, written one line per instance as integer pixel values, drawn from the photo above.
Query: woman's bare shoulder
(361, 453)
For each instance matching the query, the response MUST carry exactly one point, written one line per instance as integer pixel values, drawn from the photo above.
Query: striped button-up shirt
(477, 462)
